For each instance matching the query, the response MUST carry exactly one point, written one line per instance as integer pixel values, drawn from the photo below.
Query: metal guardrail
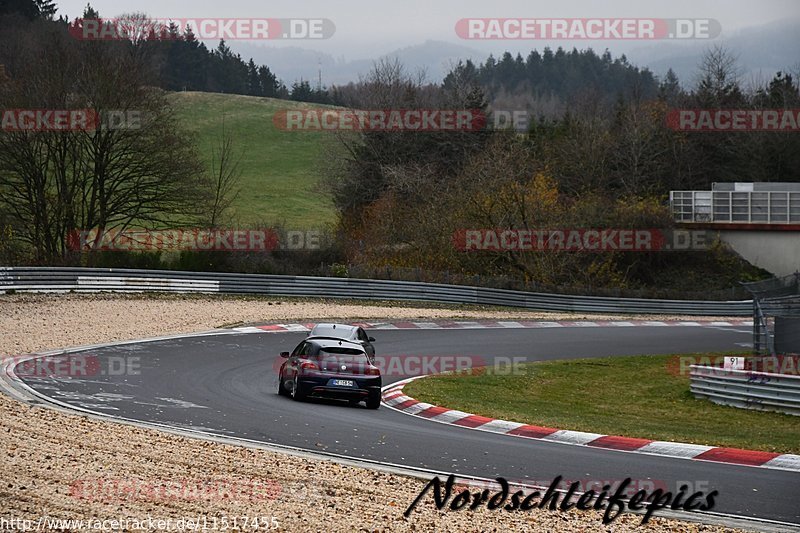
(749, 390)
(759, 207)
(774, 300)
(54, 279)
(763, 338)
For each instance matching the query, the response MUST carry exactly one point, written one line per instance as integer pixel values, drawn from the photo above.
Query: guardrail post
(756, 328)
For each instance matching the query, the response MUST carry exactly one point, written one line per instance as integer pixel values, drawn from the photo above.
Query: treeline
(403, 197)
(549, 81)
(546, 82)
(29, 9)
(180, 62)
(186, 64)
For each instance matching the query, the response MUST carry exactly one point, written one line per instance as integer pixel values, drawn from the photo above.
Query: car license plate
(343, 383)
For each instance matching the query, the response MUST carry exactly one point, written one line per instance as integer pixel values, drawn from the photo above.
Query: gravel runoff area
(63, 467)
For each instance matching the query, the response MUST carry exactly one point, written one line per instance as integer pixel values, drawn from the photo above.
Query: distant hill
(293, 63)
(762, 51)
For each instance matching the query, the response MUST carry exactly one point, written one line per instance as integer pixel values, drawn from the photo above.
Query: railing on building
(755, 207)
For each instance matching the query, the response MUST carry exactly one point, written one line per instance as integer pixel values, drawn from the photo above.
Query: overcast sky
(367, 28)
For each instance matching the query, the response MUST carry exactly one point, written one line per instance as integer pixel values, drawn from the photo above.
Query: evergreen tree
(47, 9)
(670, 88)
(783, 91)
(269, 83)
(26, 8)
(253, 80)
(90, 13)
(301, 91)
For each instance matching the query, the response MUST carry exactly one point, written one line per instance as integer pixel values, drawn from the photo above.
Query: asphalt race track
(226, 384)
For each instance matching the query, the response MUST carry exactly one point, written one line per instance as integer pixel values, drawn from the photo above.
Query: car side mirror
(372, 339)
(285, 355)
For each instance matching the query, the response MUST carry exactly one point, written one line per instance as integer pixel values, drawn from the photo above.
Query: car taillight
(373, 371)
(308, 366)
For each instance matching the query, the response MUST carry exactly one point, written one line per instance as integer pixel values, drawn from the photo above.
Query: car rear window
(343, 354)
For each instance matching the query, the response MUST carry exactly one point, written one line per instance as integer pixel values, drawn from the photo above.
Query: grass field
(629, 396)
(280, 170)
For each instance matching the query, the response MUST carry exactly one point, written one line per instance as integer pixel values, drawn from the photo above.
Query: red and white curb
(494, 324)
(394, 398)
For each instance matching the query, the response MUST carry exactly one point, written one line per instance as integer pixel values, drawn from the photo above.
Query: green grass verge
(280, 170)
(636, 396)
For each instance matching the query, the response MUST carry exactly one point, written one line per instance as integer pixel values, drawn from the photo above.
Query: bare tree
(141, 171)
(719, 77)
(224, 178)
(360, 173)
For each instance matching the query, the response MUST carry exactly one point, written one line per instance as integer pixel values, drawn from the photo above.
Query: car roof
(341, 331)
(326, 342)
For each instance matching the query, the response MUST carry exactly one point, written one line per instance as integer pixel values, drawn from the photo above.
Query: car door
(293, 362)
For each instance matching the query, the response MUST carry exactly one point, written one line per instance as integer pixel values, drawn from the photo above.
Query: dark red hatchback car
(331, 368)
